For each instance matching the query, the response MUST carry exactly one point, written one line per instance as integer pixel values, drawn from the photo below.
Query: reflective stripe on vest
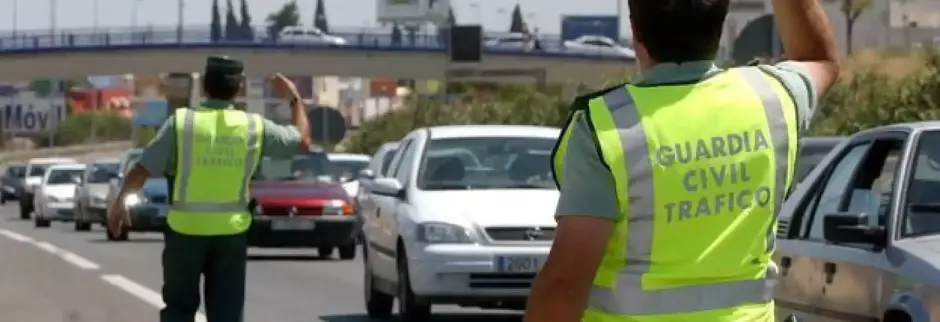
(616, 118)
(225, 196)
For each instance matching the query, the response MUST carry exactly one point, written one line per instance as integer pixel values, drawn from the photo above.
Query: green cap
(224, 66)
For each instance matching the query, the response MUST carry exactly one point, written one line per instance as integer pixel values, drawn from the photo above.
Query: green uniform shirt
(588, 188)
(159, 156)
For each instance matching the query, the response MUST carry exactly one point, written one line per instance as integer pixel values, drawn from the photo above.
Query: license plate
(518, 264)
(292, 224)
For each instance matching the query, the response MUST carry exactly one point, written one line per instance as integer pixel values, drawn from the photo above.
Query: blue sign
(151, 113)
(32, 117)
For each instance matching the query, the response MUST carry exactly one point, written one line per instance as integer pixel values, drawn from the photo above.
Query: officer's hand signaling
(284, 87)
(118, 217)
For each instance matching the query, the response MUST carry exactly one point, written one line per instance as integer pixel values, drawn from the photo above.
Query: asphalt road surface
(59, 275)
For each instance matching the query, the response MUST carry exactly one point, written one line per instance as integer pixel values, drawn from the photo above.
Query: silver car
(859, 239)
(91, 194)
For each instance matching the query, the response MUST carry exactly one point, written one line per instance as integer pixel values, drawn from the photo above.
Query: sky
(342, 14)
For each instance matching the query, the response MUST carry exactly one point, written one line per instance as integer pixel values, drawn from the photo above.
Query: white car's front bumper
(57, 210)
(474, 271)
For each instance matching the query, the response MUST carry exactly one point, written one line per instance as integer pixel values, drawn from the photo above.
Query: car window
(836, 185)
(311, 166)
(387, 161)
(403, 173)
(63, 176)
(38, 170)
(597, 42)
(809, 158)
(349, 168)
(922, 189)
(16, 171)
(500, 163)
(396, 160)
(101, 172)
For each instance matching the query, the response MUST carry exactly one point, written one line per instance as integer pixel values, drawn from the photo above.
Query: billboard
(29, 115)
(576, 26)
(411, 10)
(151, 113)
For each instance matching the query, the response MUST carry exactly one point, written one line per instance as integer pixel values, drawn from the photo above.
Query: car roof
(476, 131)
(106, 161)
(68, 166)
(51, 160)
(348, 157)
(389, 145)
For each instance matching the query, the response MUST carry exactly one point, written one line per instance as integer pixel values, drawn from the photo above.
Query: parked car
(812, 151)
(300, 202)
(599, 45)
(35, 170)
(12, 182)
(349, 165)
(55, 194)
(513, 41)
(91, 194)
(309, 35)
(859, 239)
(440, 231)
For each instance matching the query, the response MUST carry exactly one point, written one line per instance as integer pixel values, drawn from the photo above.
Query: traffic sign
(326, 124)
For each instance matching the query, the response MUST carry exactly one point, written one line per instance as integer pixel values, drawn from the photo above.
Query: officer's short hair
(679, 30)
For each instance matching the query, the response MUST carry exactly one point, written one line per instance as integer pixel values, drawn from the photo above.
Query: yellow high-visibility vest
(217, 153)
(701, 171)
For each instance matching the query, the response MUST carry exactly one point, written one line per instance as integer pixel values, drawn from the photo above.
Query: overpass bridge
(367, 53)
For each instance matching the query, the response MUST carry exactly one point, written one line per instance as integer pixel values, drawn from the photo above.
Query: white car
(55, 195)
(601, 45)
(308, 35)
(35, 170)
(512, 41)
(438, 230)
(348, 165)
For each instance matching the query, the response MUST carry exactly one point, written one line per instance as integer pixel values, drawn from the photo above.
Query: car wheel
(24, 211)
(348, 251)
(81, 225)
(378, 304)
(41, 223)
(122, 236)
(325, 251)
(409, 310)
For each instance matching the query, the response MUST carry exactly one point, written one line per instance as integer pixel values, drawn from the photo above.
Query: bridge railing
(355, 38)
(66, 151)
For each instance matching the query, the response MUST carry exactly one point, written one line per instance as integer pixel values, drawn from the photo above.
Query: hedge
(92, 127)
(865, 97)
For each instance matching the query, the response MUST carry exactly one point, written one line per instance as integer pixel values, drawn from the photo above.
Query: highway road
(59, 275)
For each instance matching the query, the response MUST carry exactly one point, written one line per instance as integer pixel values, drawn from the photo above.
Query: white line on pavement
(141, 292)
(48, 247)
(16, 236)
(79, 261)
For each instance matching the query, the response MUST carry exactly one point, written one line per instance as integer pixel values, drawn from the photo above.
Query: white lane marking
(52, 249)
(16, 236)
(79, 261)
(141, 292)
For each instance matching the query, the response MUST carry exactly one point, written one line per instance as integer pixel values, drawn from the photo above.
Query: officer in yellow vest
(670, 187)
(209, 155)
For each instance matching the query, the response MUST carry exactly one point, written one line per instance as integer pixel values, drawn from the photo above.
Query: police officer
(208, 155)
(670, 187)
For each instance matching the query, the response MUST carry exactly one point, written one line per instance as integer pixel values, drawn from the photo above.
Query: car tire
(378, 305)
(24, 211)
(122, 236)
(82, 226)
(324, 252)
(409, 309)
(41, 223)
(348, 251)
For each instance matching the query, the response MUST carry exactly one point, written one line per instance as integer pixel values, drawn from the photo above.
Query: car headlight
(443, 233)
(132, 200)
(337, 207)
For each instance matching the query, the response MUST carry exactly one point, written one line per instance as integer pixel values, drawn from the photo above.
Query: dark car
(147, 208)
(300, 202)
(12, 182)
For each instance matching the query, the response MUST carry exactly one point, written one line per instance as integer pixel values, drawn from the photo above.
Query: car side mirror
(389, 187)
(852, 228)
(367, 174)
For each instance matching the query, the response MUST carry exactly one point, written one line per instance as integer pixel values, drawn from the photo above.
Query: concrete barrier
(65, 151)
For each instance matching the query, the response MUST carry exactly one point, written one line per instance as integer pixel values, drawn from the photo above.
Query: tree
(247, 31)
(215, 27)
(319, 18)
(517, 24)
(288, 15)
(851, 10)
(396, 35)
(231, 23)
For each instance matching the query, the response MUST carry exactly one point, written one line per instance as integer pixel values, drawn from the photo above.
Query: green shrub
(92, 127)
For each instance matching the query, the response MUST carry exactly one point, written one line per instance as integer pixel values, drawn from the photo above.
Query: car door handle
(378, 213)
(785, 262)
(830, 269)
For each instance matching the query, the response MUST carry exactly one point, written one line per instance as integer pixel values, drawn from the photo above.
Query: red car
(301, 202)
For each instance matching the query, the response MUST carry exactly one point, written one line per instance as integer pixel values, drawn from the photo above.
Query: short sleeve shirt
(159, 156)
(588, 186)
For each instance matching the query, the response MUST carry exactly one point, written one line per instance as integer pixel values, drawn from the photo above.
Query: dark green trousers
(221, 259)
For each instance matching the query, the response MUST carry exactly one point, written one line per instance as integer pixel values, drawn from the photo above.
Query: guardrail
(352, 39)
(65, 151)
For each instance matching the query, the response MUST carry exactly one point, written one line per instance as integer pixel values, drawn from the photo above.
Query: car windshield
(349, 168)
(16, 171)
(38, 170)
(101, 172)
(64, 176)
(311, 166)
(922, 203)
(487, 163)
